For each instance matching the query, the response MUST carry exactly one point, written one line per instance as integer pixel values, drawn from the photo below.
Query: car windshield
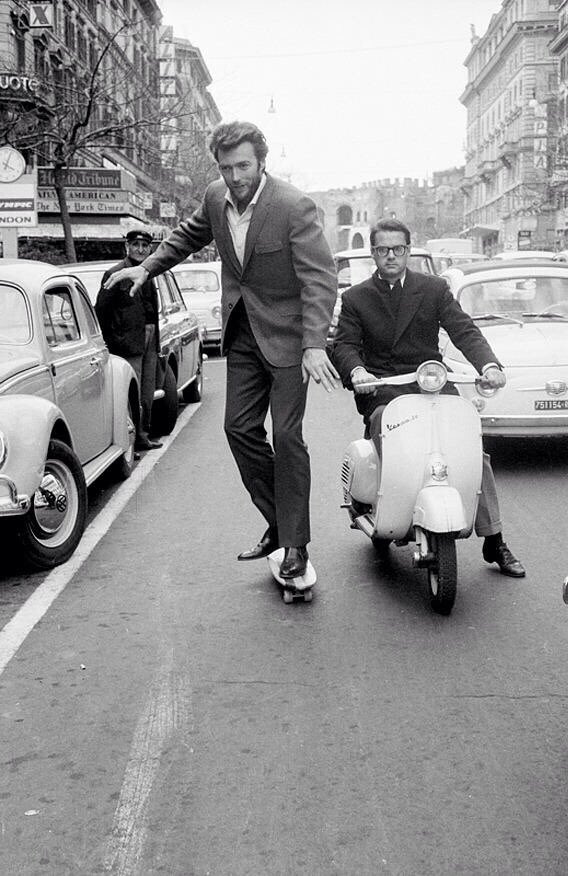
(354, 270)
(516, 297)
(15, 323)
(197, 281)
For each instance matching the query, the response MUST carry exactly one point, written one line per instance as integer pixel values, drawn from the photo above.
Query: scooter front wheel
(443, 573)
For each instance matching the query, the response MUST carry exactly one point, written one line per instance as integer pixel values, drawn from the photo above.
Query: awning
(485, 229)
(95, 231)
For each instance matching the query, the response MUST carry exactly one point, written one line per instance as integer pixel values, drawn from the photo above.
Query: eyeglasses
(383, 251)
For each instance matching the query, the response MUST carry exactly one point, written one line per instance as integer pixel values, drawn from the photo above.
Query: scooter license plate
(551, 404)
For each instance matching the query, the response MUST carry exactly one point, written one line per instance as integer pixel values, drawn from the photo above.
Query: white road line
(166, 711)
(18, 628)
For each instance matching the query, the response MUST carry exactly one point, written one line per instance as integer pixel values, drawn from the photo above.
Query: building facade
(509, 98)
(429, 210)
(190, 114)
(95, 63)
(558, 178)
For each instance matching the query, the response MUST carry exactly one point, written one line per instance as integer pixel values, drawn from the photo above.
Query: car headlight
(3, 449)
(432, 376)
(216, 312)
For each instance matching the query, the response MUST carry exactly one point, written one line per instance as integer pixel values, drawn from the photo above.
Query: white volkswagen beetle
(68, 410)
(521, 307)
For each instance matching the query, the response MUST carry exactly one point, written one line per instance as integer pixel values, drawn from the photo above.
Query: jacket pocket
(270, 246)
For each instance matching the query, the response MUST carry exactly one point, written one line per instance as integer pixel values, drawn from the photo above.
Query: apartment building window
(93, 53)
(69, 30)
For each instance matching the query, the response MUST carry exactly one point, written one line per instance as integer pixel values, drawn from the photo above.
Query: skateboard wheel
(308, 596)
(287, 597)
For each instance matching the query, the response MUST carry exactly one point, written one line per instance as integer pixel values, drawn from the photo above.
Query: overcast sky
(363, 89)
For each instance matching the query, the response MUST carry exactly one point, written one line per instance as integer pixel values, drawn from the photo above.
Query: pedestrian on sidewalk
(129, 323)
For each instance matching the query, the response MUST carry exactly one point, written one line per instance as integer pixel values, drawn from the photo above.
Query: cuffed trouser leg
(278, 480)
(148, 380)
(488, 519)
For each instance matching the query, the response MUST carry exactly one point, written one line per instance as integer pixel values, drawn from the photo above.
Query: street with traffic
(164, 711)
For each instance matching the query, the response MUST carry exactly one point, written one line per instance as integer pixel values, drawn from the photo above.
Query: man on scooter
(389, 324)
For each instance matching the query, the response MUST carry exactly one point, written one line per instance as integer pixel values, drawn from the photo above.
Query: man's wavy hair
(228, 135)
(388, 225)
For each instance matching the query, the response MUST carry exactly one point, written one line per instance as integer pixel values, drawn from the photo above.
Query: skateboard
(292, 588)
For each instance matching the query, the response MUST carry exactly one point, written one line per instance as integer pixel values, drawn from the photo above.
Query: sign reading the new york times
(18, 207)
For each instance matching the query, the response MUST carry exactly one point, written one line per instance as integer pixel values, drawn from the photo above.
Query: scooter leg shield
(440, 509)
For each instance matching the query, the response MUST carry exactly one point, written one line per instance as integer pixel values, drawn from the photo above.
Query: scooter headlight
(431, 376)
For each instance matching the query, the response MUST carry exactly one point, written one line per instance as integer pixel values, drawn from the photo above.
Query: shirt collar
(401, 279)
(255, 197)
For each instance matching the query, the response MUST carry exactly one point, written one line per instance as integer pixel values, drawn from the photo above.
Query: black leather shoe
(294, 562)
(505, 559)
(146, 444)
(267, 544)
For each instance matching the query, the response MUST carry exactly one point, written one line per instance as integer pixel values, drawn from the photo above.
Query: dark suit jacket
(288, 280)
(426, 306)
(123, 317)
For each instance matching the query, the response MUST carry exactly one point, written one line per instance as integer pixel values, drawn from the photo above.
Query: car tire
(52, 528)
(124, 465)
(165, 410)
(194, 392)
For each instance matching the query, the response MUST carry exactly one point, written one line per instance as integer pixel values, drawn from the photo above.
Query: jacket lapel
(259, 214)
(409, 304)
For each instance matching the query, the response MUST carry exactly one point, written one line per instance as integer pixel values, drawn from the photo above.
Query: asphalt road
(168, 714)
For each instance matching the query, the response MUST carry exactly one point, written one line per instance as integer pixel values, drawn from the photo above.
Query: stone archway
(357, 241)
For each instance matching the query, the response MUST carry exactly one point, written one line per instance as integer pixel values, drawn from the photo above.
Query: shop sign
(91, 201)
(18, 203)
(41, 14)
(524, 238)
(83, 177)
(15, 85)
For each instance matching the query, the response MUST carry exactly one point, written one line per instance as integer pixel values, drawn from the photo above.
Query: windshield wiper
(504, 316)
(547, 315)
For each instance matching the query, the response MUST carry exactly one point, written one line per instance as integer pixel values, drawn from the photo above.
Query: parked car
(444, 260)
(180, 343)
(68, 410)
(200, 285)
(355, 265)
(521, 306)
(510, 254)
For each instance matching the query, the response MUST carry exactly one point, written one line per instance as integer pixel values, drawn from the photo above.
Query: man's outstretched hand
(315, 364)
(137, 276)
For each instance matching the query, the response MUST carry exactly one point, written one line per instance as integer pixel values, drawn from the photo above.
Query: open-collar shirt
(239, 222)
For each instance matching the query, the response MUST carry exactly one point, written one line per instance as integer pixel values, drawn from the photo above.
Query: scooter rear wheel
(443, 574)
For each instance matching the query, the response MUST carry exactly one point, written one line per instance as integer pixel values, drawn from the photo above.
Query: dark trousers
(145, 367)
(278, 476)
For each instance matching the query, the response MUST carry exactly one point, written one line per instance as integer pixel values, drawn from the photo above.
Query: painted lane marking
(19, 627)
(165, 713)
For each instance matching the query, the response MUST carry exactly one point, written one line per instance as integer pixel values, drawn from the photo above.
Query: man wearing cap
(129, 324)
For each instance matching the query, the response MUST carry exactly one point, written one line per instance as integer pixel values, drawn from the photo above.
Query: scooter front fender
(439, 508)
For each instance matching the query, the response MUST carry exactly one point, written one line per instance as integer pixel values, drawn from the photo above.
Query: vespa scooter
(424, 485)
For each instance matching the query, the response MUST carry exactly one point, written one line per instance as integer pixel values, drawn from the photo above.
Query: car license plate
(557, 404)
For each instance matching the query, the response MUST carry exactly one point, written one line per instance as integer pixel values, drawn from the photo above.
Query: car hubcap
(55, 505)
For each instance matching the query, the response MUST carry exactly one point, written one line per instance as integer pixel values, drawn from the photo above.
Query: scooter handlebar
(411, 377)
